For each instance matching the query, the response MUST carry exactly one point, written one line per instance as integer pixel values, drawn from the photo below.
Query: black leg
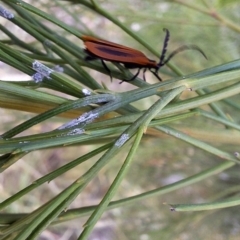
(144, 71)
(89, 58)
(131, 79)
(107, 69)
(156, 75)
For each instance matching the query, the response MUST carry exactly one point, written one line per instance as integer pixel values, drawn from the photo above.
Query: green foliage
(223, 3)
(173, 142)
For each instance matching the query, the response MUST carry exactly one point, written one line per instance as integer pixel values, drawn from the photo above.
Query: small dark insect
(129, 57)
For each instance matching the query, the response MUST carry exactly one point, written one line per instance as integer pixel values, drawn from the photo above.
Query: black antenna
(183, 48)
(164, 48)
(162, 61)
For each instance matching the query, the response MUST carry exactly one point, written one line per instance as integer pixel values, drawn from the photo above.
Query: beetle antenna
(164, 48)
(180, 49)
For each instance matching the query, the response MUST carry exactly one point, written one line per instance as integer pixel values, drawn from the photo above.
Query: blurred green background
(160, 160)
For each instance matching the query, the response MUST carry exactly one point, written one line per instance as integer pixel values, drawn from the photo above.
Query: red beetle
(129, 57)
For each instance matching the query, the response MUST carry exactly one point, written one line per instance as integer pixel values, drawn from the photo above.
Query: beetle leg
(89, 58)
(132, 78)
(107, 69)
(155, 74)
(144, 71)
